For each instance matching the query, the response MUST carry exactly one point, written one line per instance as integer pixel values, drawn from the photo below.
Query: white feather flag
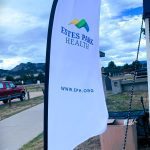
(76, 101)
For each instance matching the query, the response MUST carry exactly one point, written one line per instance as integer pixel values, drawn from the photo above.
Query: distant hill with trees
(31, 72)
(112, 68)
(26, 72)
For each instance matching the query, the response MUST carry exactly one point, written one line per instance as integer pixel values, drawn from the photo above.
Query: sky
(24, 25)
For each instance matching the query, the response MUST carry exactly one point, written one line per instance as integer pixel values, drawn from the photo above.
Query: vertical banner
(74, 99)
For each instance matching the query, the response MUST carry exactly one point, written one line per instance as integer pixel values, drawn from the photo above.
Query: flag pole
(146, 17)
(147, 31)
(47, 72)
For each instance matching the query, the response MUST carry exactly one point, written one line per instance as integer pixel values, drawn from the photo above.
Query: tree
(9, 78)
(111, 69)
(41, 77)
(136, 65)
(28, 78)
(111, 65)
(126, 66)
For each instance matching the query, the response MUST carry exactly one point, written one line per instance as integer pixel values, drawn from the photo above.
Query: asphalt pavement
(21, 128)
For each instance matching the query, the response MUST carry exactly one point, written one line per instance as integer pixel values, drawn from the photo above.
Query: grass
(120, 102)
(34, 87)
(16, 107)
(35, 144)
(117, 102)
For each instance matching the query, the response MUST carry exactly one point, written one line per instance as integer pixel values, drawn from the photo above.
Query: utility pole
(146, 16)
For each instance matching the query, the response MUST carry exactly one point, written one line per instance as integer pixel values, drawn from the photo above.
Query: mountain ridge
(24, 68)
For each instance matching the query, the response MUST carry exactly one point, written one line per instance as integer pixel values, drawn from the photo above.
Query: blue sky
(24, 24)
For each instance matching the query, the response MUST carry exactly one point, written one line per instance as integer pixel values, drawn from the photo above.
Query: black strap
(132, 89)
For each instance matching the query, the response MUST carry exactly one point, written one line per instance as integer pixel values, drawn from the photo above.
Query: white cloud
(16, 22)
(9, 63)
(113, 8)
(28, 51)
(22, 36)
(119, 35)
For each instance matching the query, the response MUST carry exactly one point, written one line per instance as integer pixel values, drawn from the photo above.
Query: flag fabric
(76, 101)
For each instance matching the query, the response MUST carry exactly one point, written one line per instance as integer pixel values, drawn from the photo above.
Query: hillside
(24, 68)
(3, 72)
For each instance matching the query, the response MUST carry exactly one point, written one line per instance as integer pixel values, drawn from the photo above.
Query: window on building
(115, 84)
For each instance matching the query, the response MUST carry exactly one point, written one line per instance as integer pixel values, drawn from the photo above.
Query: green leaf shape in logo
(80, 24)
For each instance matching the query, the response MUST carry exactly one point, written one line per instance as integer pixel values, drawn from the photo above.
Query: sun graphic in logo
(81, 24)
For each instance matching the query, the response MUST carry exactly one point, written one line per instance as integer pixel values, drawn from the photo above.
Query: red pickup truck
(8, 90)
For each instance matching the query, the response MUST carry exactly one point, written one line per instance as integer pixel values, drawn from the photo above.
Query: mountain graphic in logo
(81, 24)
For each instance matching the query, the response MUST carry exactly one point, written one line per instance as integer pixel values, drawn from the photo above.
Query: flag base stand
(113, 138)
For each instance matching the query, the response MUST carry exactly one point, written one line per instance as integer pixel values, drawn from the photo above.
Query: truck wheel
(5, 101)
(22, 97)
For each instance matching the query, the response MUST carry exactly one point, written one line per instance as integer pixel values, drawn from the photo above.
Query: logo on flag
(81, 24)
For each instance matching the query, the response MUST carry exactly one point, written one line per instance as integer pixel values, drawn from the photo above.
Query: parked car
(8, 90)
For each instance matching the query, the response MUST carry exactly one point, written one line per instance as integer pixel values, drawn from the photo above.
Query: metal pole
(9, 101)
(147, 31)
(47, 72)
(28, 95)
